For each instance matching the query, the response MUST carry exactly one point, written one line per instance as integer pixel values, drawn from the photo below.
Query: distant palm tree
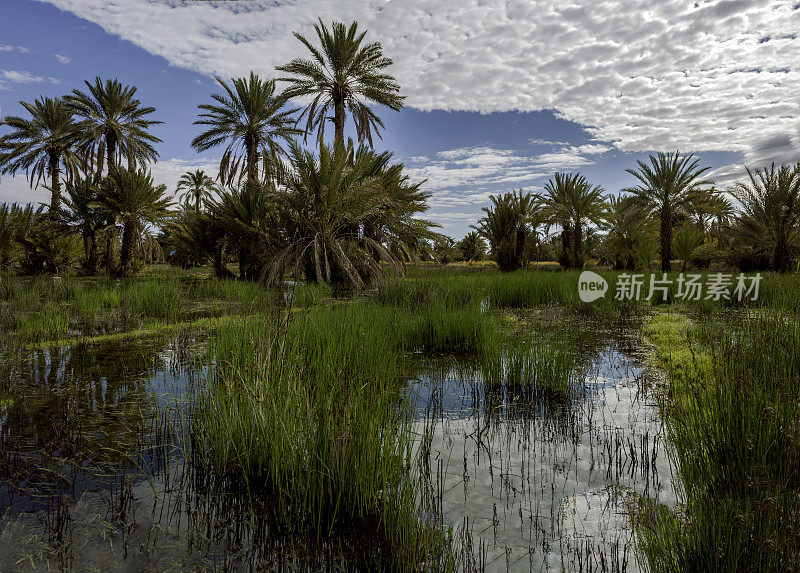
(342, 74)
(114, 125)
(665, 187)
(508, 225)
(630, 233)
(42, 145)
(133, 197)
(196, 187)
(251, 120)
(770, 219)
(472, 246)
(573, 203)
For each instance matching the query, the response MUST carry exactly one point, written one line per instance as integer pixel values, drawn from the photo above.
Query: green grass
(308, 410)
(734, 434)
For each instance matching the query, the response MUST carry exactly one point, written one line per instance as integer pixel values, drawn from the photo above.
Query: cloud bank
(717, 75)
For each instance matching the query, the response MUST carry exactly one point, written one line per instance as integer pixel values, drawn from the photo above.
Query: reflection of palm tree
(573, 203)
(666, 185)
(342, 74)
(42, 145)
(196, 187)
(770, 219)
(249, 118)
(114, 124)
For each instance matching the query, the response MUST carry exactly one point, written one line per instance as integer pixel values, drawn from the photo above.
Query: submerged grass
(308, 409)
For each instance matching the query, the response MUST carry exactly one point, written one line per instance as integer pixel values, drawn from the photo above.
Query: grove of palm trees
(288, 364)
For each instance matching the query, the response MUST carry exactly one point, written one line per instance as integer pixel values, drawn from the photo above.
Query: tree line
(343, 213)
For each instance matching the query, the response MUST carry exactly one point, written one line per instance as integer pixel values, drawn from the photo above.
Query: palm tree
(326, 200)
(687, 238)
(115, 125)
(248, 220)
(630, 233)
(196, 187)
(85, 213)
(508, 225)
(573, 203)
(394, 224)
(342, 74)
(770, 219)
(665, 187)
(249, 118)
(472, 246)
(42, 145)
(133, 197)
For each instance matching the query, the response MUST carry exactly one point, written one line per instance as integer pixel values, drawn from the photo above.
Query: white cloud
(711, 75)
(22, 77)
(167, 171)
(62, 59)
(7, 48)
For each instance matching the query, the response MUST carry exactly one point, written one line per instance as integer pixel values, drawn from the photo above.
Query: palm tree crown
(134, 198)
(115, 125)
(196, 187)
(573, 203)
(665, 186)
(770, 218)
(41, 145)
(250, 119)
(344, 73)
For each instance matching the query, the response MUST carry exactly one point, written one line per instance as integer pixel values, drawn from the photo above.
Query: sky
(499, 94)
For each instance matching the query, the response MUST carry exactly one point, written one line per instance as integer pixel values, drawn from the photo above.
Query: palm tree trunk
(90, 248)
(55, 182)
(577, 239)
(252, 160)
(666, 237)
(128, 243)
(338, 120)
(111, 150)
(781, 256)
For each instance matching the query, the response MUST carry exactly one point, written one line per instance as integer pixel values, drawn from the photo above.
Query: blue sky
(500, 94)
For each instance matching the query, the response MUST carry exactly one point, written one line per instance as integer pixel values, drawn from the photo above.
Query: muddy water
(93, 473)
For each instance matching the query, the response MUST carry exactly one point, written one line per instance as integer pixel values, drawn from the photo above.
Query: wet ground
(95, 469)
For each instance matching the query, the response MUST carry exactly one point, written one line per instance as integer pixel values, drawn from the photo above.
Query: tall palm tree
(665, 187)
(344, 73)
(770, 219)
(115, 125)
(508, 224)
(133, 197)
(42, 145)
(251, 120)
(573, 203)
(196, 187)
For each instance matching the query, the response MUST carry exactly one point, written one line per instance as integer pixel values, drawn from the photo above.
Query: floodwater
(95, 472)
